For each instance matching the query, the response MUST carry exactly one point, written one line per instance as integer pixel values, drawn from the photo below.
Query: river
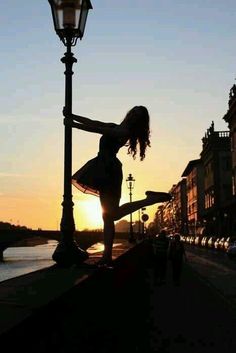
(25, 259)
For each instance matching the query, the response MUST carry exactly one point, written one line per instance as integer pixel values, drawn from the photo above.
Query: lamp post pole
(69, 17)
(67, 225)
(130, 184)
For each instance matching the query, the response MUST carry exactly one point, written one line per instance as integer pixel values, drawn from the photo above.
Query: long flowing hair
(137, 120)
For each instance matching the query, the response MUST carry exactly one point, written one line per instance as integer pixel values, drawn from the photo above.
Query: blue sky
(175, 57)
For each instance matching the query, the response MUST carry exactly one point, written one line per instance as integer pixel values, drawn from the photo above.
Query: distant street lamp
(130, 185)
(69, 18)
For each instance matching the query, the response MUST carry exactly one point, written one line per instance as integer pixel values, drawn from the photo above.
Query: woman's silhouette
(102, 175)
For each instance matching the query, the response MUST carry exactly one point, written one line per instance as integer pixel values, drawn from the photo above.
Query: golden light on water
(99, 247)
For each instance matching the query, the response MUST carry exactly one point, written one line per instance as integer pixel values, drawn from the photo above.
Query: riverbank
(76, 309)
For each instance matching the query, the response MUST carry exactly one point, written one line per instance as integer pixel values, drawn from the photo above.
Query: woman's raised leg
(130, 207)
(111, 211)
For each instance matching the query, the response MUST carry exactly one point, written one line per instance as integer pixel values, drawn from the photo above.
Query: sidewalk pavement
(191, 318)
(216, 275)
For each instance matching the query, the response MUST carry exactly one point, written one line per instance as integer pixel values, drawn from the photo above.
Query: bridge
(9, 237)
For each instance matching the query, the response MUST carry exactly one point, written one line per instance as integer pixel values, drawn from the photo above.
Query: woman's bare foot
(156, 196)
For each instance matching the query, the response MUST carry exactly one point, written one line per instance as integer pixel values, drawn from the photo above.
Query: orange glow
(88, 212)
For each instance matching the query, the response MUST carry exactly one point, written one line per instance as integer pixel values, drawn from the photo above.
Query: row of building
(204, 200)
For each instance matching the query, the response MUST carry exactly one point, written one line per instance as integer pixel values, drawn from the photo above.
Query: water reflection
(99, 247)
(26, 253)
(26, 259)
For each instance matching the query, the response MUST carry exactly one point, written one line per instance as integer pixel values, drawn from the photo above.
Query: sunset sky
(175, 57)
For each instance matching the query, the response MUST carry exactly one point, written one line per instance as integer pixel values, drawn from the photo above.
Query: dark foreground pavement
(191, 318)
(122, 310)
(147, 318)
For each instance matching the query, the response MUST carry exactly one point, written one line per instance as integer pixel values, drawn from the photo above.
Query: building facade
(230, 119)
(194, 176)
(179, 207)
(172, 215)
(204, 201)
(216, 159)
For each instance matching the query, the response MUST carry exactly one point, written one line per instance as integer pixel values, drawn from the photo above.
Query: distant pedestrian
(160, 248)
(176, 252)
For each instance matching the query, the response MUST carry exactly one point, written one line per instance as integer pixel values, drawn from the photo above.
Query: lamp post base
(68, 254)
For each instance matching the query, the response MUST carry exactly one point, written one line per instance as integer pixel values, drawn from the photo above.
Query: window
(209, 199)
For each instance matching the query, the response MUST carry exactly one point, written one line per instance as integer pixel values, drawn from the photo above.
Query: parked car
(211, 242)
(207, 242)
(231, 251)
(192, 240)
(221, 243)
(197, 240)
(216, 243)
(203, 241)
(228, 242)
(187, 239)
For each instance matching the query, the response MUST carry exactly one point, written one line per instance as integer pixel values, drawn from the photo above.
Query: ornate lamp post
(69, 18)
(130, 185)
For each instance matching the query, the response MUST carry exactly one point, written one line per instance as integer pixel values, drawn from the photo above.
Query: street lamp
(130, 185)
(69, 18)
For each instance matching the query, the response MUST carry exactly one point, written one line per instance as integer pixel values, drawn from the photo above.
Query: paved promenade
(194, 317)
(133, 314)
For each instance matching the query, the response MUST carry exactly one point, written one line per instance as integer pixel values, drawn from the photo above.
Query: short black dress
(102, 173)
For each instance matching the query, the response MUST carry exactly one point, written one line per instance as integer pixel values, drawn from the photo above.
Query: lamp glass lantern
(130, 182)
(69, 18)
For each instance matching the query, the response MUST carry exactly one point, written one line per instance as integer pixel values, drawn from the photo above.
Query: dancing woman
(102, 176)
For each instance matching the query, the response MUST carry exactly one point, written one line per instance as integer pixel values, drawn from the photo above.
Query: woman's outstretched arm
(90, 122)
(105, 129)
(86, 121)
